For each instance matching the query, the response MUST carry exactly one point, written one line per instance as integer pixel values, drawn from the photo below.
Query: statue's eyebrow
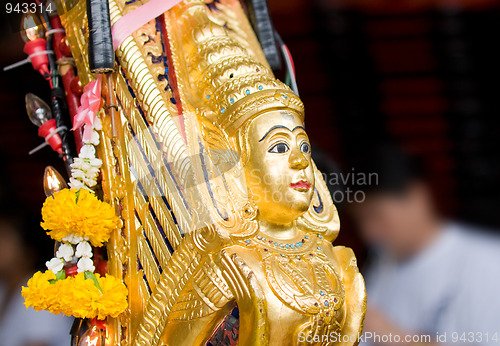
(280, 127)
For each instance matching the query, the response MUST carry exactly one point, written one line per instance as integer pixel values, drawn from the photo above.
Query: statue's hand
(249, 297)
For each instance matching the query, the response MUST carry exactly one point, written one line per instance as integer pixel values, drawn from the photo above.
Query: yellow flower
(113, 300)
(38, 293)
(78, 212)
(76, 296)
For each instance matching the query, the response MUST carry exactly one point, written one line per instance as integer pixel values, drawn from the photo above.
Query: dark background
(424, 74)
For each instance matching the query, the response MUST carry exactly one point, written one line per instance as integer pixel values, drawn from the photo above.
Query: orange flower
(79, 213)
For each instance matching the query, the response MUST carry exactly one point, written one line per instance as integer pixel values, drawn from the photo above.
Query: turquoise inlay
(222, 110)
(231, 100)
(247, 92)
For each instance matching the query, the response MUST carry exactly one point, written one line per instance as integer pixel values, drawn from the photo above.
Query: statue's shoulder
(348, 264)
(346, 258)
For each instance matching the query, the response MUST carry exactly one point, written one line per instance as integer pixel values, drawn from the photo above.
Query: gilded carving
(212, 172)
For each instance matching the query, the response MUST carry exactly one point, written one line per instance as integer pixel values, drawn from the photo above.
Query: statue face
(279, 171)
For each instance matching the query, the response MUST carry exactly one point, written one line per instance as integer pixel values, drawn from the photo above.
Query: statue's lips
(301, 185)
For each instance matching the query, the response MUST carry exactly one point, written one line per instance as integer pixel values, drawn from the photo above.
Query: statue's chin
(300, 206)
(284, 214)
(301, 210)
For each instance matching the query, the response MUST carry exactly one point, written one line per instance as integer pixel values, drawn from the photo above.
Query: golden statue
(208, 162)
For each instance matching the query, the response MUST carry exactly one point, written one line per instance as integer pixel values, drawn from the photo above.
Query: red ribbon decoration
(90, 103)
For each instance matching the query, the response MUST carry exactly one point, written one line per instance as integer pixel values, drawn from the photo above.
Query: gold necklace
(300, 274)
(300, 245)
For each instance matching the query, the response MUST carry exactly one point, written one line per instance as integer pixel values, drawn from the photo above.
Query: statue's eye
(279, 148)
(305, 148)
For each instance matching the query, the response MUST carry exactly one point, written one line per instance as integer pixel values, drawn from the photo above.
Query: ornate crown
(237, 89)
(228, 76)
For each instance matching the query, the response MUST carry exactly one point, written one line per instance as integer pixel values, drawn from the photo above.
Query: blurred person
(21, 238)
(428, 275)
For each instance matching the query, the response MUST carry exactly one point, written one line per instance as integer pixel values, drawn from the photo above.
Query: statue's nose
(297, 160)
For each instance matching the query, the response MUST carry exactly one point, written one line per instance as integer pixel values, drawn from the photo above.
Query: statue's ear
(322, 215)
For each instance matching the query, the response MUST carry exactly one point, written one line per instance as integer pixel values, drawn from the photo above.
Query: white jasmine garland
(81, 164)
(96, 163)
(72, 239)
(77, 174)
(87, 152)
(90, 181)
(55, 264)
(94, 140)
(83, 250)
(84, 173)
(85, 169)
(97, 124)
(89, 172)
(86, 164)
(77, 184)
(85, 264)
(65, 251)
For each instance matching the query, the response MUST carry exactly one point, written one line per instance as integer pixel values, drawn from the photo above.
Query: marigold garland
(76, 217)
(79, 212)
(76, 296)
